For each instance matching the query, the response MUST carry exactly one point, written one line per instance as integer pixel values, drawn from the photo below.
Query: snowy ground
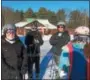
(45, 47)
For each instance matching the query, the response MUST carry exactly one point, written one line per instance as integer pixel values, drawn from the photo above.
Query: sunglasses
(59, 26)
(11, 31)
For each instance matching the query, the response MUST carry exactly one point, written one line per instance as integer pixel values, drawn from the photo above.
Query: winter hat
(61, 23)
(82, 30)
(8, 27)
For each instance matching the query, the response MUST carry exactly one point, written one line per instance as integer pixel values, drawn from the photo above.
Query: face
(60, 28)
(10, 34)
(79, 44)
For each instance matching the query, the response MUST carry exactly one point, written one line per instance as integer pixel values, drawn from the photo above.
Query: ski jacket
(73, 62)
(57, 41)
(13, 58)
(32, 46)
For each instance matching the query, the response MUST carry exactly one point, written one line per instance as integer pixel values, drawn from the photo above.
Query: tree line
(72, 18)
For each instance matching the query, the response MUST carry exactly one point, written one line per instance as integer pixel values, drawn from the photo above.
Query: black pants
(31, 61)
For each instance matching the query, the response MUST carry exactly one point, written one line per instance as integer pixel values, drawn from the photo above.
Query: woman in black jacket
(13, 55)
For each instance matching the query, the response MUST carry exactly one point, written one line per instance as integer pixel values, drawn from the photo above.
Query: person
(33, 41)
(73, 62)
(13, 55)
(59, 39)
(87, 54)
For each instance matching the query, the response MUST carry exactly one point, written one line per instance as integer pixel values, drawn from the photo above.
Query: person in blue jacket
(72, 62)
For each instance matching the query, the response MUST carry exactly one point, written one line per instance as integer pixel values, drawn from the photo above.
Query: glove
(65, 48)
(63, 75)
(36, 41)
(24, 70)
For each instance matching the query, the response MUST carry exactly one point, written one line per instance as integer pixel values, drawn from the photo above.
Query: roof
(45, 22)
(21, 24)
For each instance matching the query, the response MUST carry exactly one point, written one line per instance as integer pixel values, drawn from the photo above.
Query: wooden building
(43, 25)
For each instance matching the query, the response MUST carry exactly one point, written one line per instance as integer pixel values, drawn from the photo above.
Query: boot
(37, 76)
(30, 76)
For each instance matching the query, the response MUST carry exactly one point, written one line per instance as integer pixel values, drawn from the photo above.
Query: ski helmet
(7, 27)
(82, 30)
(61, 23)
(82, 34)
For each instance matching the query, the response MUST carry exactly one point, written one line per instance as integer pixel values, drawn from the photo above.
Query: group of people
(70, 56)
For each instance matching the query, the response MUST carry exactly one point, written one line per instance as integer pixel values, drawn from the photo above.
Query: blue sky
(50, 5)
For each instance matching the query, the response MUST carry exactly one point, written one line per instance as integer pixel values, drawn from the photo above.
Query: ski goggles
(82, 38)
(60, 26)
(11, 31)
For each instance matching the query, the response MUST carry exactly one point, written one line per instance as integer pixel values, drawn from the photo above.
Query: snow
(45, 47)
(46, 37)
(51, 70)
(46, 23)
(21, 24)
(71, 37)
